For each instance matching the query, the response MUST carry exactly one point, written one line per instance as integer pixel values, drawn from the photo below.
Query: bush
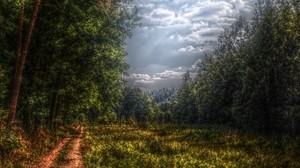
(3, 117)
(9, 142)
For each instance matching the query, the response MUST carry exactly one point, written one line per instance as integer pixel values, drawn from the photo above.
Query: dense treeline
(163, 95)
(251, 80)
(75, 60)
(137, 106)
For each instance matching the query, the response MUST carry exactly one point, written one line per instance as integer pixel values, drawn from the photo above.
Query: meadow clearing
(122, 145)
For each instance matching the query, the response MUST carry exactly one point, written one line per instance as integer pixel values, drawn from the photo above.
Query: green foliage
(186, 108)
(8, 13)
(75, 63)
(107, 118)
(251, 80)
(9, 142)
(137, 104)
(163, 95)
(3, 117)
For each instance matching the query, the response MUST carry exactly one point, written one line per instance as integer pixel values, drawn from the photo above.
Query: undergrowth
(18, 149)
(167, 146)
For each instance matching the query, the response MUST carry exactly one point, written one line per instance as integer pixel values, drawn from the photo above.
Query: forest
(62, 87)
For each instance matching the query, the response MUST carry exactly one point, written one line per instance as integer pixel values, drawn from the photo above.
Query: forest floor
(67, 153)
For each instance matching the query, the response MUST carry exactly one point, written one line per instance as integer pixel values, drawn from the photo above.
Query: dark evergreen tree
(138, 105)
(186, 111)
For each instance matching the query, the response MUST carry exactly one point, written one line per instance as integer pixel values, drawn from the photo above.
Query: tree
(76, 59)
(269, 66)
(186, 111)
(137, 104)
(250, 80)
(21, 53)
(8, 11)
(218, 79)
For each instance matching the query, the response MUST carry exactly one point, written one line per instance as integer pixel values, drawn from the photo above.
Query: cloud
(169, 74)
(176, 33)
(163, 17)
(146, 79)
(187, 49)
(162, 13)
(190, 50)
(209, 10)
(166, 79)
(202, 35)
(150, 69)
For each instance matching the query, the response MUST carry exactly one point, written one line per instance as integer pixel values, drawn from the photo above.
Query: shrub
(9, 142)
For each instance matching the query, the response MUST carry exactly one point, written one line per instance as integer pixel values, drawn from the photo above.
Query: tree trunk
(20, 35)
(19, 71)
(54, 111)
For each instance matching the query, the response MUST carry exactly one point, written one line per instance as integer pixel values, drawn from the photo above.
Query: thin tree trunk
(54, 111)
(19, 72)
(20, 35)
(57, 112)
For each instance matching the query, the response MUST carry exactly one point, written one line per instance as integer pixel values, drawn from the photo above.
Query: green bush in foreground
(9, 142)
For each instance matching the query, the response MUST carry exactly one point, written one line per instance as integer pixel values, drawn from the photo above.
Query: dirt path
(49, 160)
(74, 156)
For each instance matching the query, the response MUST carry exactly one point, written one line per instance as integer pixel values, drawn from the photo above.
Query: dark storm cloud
(174, 35)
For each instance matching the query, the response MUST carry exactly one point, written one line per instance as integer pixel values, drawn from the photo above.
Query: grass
(167, 146)
(62, 157)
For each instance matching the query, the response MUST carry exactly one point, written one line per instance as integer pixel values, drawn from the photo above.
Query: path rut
(74, 156)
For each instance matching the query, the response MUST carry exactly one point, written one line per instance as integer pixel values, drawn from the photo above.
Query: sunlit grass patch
(166, 146)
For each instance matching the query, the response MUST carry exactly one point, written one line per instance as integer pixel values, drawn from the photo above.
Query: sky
(174, 35)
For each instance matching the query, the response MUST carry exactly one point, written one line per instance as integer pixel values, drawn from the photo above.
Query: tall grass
(167, 146)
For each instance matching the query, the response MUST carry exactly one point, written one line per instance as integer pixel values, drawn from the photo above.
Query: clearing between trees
(156, 145)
